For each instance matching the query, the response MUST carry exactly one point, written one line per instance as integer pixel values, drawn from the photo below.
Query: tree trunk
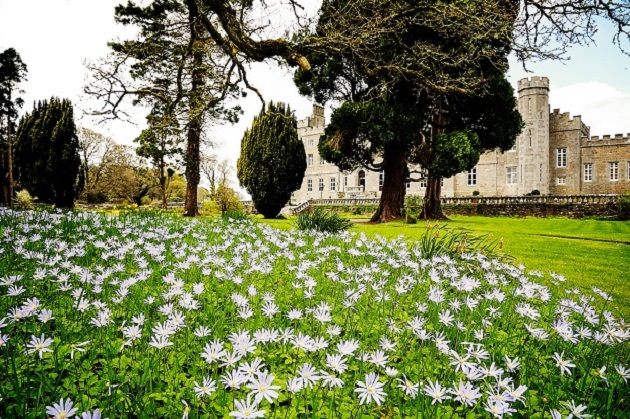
(432, 205)
(10, 160)
(194, 130)
(393, 193)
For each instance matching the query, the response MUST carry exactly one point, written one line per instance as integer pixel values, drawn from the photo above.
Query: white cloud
(602, 107)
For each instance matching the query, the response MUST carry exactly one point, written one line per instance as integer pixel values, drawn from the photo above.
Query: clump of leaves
(24, 199)
(439, 240)
(235, 215)
(320, 220)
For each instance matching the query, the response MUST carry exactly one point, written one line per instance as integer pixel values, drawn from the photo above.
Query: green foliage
(360, 132)
(272, 161)
(235, 214)
(623, 206)
(476, 193)
(227, 199)
(438, 240)
(453, 153)
(47, 153)
(24, 199)
(324, 221)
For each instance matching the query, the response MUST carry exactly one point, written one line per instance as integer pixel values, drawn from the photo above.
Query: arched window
(361, 178)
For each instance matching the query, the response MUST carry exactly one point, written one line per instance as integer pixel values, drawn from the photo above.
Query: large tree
(12, 72)
(462, 129)
(386, 129)
(273, 160)
(169, 66)
(47, 153)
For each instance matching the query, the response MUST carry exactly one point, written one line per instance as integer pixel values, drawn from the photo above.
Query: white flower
(330, 380)
(308, 375)
(61, 410)
(295, 384)
(563, 364)
(370, 390)
(233, 379)
(78, 347)
(410, 388)
(262, 387)
(160, 342)
(576, 410)
(512, 364)
(208, 387)
(40, 345)
(45, 315)
(247, 409)
(465, 393)
(624, 372)
(201, 331)
(436, 392)
(336, 363)
(91, 415)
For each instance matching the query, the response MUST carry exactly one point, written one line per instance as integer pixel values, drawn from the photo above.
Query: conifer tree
(47, 153)
(273, 160)
(12, 73)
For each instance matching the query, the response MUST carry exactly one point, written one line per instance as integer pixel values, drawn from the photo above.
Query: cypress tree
(273, 160)
(47, 153)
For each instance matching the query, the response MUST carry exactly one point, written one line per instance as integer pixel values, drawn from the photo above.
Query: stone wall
(601, 153)
(565, 133)
(572, 206)
(576, 206)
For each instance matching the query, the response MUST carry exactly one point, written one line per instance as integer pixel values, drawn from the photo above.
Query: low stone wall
(572, 206)
(525, 209)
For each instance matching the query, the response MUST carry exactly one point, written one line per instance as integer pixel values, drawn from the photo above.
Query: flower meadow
(147, 316)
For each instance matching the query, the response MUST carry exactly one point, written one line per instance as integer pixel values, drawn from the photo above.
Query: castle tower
(532, 146)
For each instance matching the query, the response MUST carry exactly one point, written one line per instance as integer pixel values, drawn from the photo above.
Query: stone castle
(554, 155)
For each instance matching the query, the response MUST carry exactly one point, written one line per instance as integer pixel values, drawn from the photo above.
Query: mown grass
(587, 252)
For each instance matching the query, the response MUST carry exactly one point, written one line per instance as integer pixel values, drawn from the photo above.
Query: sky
(56, 37)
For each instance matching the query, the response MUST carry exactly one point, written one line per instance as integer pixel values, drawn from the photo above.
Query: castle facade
(554, 155)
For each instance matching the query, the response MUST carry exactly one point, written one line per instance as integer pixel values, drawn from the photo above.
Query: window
(561, 157)
(472, 177)
(562, 180)
(310, 160)
(529, 104)
(361, 179)
(510, 175)
(333, 184)
(408, 185)
(345, 181)
(321, 185)
(381, 180)
(309, 185)
(540, 173)
(613, 170)
(322, 161)
(310, 142)
(423, 180)
(514, 146)
(530, 137)
(588, 172)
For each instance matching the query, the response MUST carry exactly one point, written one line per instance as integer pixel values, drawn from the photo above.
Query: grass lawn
(587, 252)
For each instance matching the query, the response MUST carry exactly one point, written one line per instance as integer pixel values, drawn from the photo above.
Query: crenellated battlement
(316, 120)
(617, 139)
(533, 82)
(563, 121)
